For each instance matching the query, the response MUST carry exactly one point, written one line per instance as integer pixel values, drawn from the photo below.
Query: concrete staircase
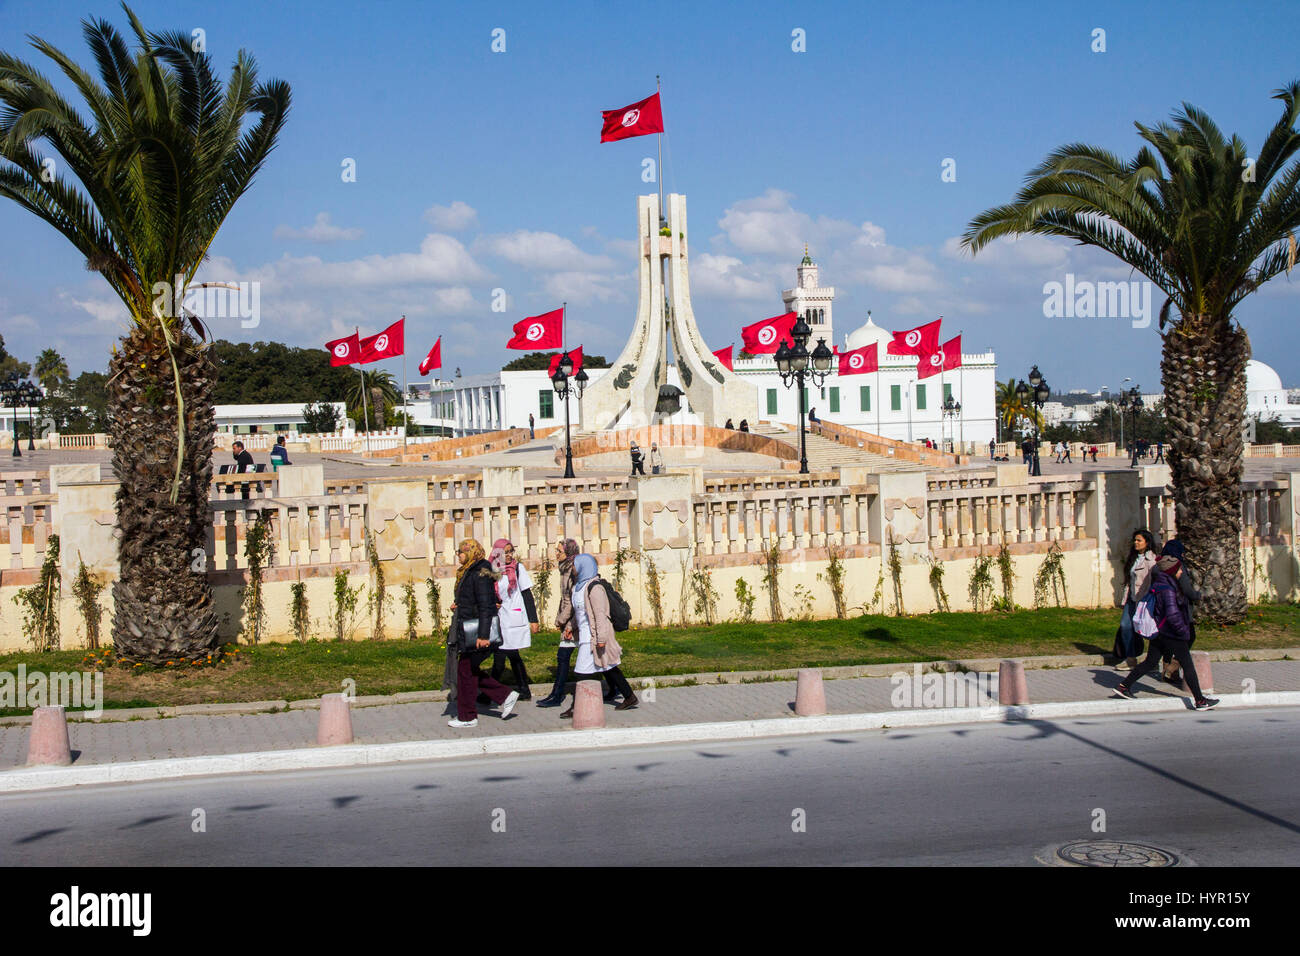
(825, 454)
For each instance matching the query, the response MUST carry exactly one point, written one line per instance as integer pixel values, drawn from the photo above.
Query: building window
(546, 403)
(947, 392)
(835, 398)
(864, 397)
(895, 398)
(771, 401)
(823, 393)
(803, 397)
(920, 398)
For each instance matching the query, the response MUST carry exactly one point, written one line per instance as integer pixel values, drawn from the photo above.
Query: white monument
(627, 396)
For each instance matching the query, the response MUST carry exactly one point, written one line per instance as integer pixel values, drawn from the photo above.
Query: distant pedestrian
(993, 449)
(475, 604)
(1065, 449)
(729, 425)
(531, 431)
(1093, 449)
(638, 460)
(517, 614)
(243, 463)
(1160, 452)
(1172, 612)
(1137, 582)
(744, 424)
(656, 459)
(280, 453)
(565, 552)
(812, 416)
(1027, 450)
(599, 652)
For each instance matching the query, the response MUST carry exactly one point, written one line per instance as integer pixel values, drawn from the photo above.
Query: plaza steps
(824, 454)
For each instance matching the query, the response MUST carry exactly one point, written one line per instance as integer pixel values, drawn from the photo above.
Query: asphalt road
(1218, 787)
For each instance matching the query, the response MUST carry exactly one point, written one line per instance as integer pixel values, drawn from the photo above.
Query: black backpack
(620, 612)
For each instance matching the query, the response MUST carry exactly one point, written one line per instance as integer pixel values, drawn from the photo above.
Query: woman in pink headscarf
(517, 613)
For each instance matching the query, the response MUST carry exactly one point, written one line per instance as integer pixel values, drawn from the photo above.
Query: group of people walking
(1159, 594)
(494, 613)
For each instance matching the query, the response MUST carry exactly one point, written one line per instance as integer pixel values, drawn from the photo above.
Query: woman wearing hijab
(475, 599)
(565, 552)
(1170, 669)
(598, 649)
(1138, 566)
(517, 614)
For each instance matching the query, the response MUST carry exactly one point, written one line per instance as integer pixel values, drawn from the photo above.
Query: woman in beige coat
(1139, 564)
(599, 652)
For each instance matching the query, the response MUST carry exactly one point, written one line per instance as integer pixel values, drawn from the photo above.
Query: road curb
(360, 755)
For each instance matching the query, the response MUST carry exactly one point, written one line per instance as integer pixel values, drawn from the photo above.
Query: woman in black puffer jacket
(475, 599)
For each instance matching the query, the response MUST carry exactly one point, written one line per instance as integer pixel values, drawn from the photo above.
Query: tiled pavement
(200, 735)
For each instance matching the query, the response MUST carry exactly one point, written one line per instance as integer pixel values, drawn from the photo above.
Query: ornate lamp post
(1037, 392)
(1135, 403)
(34, 396)
(560, 381)
(951, 409)
(15, 392)
(793, 364)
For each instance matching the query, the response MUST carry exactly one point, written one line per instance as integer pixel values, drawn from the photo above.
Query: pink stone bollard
(588, 706)
(49, 745)
(1013, 691)
(1204, 676)
(335, 726)
(810, 693)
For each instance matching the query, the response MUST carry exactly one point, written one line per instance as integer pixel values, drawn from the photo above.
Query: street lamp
(560, 381)
(1135, 403)
(951, 409)
(34, 394)
(14, 392)
(793, 364)
(1037, 392)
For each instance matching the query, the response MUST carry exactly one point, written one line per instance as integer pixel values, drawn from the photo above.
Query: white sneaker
(462, 723)
(509, 704)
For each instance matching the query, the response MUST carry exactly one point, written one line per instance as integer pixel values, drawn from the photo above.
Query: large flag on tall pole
(724, 357)
(345, 351)
(860, 361)
(433, 359)
(387, 344)
(638, 119)
(920, 341)
(545, 331)
(943, 359)
(764, 338)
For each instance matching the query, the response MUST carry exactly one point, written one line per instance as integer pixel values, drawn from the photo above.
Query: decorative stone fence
(682, 542)
(672, 436)
(892, 447)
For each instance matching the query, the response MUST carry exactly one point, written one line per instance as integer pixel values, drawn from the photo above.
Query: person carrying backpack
(599, 652)
(1172, 616)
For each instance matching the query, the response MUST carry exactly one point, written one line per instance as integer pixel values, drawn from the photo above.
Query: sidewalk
(1077, 690)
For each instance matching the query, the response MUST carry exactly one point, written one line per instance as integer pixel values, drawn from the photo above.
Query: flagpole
(406, 391)
(659, 170)
(365, 412)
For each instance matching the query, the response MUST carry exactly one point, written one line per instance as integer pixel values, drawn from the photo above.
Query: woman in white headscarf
(598, 649)
(517, 614)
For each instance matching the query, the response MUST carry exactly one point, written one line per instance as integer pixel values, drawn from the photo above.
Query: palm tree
(1011, 410)
(51, 370)
(380, 389)
(141, 189)
(1208, 226)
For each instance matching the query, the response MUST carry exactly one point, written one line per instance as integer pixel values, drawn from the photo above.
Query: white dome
(1261, 378)
(866, 335)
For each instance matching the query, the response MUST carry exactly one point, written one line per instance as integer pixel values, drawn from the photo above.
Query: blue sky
(478, 170)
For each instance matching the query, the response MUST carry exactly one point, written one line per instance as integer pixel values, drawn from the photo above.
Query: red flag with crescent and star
(575, 354)
(764, 338)
(433, 359)
(344, 351)
(859, 361)
(943, 359)
(639, 119)
(920, 341)
(387, 344)
(724, 357)
(544, 331)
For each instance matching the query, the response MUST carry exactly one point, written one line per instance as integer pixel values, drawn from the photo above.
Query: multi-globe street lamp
(1131, 401)
(951, 409)
(1037, 392)
(793, 364)
(564, 382)
(14, 393)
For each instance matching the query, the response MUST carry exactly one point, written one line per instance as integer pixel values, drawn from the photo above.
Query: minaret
(811, 301)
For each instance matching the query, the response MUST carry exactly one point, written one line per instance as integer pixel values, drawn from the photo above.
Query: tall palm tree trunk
(163, 606)
(1204, 376)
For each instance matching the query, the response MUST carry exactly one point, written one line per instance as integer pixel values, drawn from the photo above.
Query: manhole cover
(1115, 853)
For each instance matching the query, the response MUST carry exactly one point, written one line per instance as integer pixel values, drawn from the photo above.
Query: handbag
(469, 635)
(1144, 621)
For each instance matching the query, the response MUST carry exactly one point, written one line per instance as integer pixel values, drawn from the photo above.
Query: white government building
(891, 402)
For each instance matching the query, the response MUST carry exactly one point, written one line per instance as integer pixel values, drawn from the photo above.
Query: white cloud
(769, 224)
(441, 259)
(1012, 253)
(726, 277)
(459, 215)
(543, 251)
(584, 288)
(322, 230)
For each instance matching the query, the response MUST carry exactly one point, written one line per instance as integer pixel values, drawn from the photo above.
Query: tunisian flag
(575, 354)
(944, 359)
(639, 119)
(724, 357)
(764, 338)
(387, 344)
(920, 341)
(433, 359)
(544, 331)
(344, 351)
(859, 361)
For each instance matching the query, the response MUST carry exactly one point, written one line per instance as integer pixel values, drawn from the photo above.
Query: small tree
(40, 602)
(320, 417)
